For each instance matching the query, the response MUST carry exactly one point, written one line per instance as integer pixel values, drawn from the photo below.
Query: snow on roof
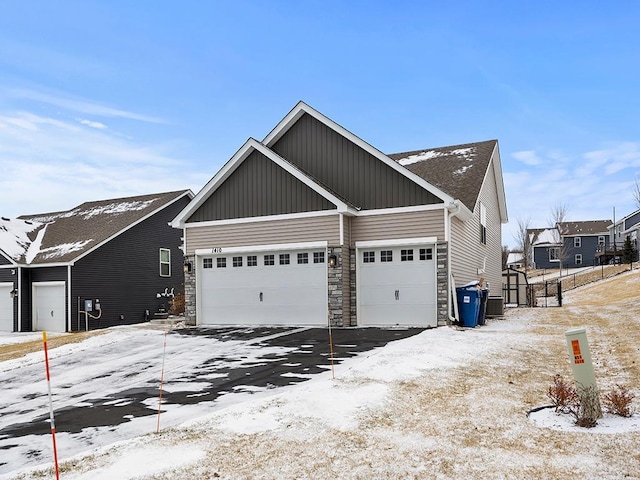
(14, 236)
(63, 236)
(548, 236)
(467, 153)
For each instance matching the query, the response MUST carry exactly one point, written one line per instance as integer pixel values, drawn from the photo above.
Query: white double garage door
(288, 285)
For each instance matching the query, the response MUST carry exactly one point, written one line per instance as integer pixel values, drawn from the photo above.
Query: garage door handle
(397, 294)
(260, 296)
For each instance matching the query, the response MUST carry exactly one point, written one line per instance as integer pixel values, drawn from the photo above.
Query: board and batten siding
(392, 226)
(259, 187)
(468, 252)
(343, 166)
(295, 230)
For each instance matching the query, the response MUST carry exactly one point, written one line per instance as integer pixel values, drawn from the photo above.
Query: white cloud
(528, 157)
(92, 124)
(80, 105)
(51, 164)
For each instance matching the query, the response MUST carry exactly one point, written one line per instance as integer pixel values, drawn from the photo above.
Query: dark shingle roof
(589, 227)
(61, 237)
(457, 170)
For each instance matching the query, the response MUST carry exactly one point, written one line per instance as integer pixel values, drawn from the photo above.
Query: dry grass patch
(17, 350)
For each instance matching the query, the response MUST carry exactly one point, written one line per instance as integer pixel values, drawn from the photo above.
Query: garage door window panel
(252, 260)
(221, 262)
(207, 263)
(386, 256)
(284, 259)
(303, 258)
(368, 257)
(426, 254)
(318, 257)
(269, 260)
(406, 255)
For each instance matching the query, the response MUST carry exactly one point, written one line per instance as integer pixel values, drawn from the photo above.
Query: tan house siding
(425, 223)
(468, 253)
(295, 230)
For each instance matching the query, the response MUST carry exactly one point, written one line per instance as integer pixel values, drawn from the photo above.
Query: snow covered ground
(445, 403)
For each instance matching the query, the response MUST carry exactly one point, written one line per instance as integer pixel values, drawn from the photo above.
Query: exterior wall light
(14, 293)
(333, 260)
(187, 266)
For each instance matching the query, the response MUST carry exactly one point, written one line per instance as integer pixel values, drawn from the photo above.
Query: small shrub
(562, 395)
(177, 304)
(618, 401)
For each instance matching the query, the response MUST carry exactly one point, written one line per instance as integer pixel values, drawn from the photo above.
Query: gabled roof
(589, 227)
(240, 156)
(301, 108)
(64, 237)
(458, 170)
(541, 237)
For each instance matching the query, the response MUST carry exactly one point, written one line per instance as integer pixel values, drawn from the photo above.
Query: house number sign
(216, 250)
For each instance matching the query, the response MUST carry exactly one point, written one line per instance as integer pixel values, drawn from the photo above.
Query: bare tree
(558, 214)
(636, 191)
(522, 239)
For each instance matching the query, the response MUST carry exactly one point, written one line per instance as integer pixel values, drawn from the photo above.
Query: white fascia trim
(495, 164)
(69, 299)
(225, 172)
(391, 211)
(261, 248)
(341, 229)
(399, 242)
(302, 108)
(267, 218)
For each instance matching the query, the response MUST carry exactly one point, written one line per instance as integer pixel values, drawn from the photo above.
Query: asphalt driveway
(109, 383)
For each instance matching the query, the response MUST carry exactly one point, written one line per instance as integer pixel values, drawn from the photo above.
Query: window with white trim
(578, 259)
(577, 242)
(386, 256)
(406, 255)
(252, 260)
(426, 254)
(237, 261)
(207, 263)
(303, 258)
(601, 240)
(221, 262)
(165, 262)
(269, 260)
(284, 259)
(318, 257)
(368, 257)
(554, 254)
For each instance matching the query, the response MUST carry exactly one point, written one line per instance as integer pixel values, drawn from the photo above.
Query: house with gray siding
(312, 225)
(117, 260)
(569, 244)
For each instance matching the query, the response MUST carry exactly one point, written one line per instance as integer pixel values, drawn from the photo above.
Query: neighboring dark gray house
(120, 255)
(314, 225)
(570, 244)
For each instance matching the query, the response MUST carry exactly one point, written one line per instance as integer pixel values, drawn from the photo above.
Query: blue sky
(116, 98)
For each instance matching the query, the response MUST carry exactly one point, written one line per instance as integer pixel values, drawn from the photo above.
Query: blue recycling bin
(484, 295)
(469, 298)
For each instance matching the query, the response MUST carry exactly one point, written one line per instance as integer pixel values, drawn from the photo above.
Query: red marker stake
(53, 423)
(161, 380)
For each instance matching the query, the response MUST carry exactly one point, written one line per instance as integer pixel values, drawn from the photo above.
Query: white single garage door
(6, 307)
(397, 285)
(276, 287)
(49, 307)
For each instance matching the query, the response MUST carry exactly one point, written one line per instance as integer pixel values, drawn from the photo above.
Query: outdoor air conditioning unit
(495, 307)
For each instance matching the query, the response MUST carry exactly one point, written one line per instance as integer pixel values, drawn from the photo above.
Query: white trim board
(397, 242)
(261, 248)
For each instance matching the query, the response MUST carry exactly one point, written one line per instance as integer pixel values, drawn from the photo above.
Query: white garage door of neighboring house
(49, 306)
(6, 307)
(275, 287)
(397, 285)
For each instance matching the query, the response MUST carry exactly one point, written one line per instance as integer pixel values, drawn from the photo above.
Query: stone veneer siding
(334, 274)
(442, 287)
(190, 292)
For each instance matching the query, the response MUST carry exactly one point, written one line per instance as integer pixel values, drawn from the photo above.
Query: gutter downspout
(452, 316)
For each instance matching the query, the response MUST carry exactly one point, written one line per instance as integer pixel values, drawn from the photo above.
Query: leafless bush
(618, 401)
(177, 304)
(582, 404)
(562, 395)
